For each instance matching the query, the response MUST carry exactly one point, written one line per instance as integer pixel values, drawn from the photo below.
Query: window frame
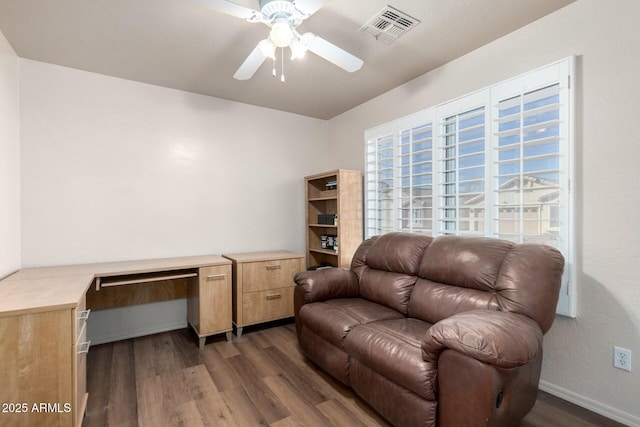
(562, 73)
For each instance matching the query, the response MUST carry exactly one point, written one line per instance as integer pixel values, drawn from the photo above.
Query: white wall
(578, 352)
(117, 170)
(114, 170)
(9, 161)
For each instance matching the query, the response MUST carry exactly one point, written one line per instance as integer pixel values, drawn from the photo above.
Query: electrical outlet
(622, 358)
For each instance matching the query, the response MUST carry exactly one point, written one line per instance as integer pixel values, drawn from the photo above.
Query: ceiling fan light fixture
(298, 49)
(267, 48)
(281, 33)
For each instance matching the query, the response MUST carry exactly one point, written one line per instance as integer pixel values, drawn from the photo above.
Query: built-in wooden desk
(43, 318)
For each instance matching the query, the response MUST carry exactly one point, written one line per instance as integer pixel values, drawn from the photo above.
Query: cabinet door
(36, 367)
(214, 294)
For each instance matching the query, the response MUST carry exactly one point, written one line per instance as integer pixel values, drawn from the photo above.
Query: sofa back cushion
(465, 273)
(398, 252)
(457, 274)
(387, 268)
(468, 262)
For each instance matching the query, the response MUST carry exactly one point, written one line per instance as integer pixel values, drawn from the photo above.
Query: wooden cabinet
(209, 303)
(263, 286)
(334, 217)
(43, 367)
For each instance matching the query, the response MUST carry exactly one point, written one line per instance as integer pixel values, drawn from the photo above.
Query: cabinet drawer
(215, 273)
(267, 305)
(264, 275)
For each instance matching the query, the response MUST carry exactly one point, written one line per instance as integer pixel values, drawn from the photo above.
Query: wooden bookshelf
(336, 195)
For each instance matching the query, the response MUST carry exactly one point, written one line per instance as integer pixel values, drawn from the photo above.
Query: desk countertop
(262, 256)
(39, 289)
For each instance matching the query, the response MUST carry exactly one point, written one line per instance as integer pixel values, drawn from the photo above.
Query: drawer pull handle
(274, 296)
(216, 276)
(83, 348)
(274, 266)
(84, 315)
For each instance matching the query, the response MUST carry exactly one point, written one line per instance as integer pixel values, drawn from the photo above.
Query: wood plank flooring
(261, 379)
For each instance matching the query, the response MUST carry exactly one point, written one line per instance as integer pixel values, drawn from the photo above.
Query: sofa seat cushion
(334, 319)
(392, 348)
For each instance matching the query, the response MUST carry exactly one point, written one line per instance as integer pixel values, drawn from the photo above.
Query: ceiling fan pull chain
(282, 65)
(274, 66)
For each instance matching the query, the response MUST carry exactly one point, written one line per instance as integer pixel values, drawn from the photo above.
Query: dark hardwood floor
(259, 379)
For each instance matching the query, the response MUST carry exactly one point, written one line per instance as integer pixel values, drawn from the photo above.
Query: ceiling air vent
(389, 24)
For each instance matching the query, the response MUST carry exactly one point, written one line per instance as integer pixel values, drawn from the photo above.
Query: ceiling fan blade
(332, 53)
(251, 64)
(233, 9)
(309, 7)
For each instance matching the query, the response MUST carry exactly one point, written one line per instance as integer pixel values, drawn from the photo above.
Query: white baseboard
(590, 404)
(135, 321)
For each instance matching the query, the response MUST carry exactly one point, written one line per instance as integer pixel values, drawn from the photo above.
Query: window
(496, 162)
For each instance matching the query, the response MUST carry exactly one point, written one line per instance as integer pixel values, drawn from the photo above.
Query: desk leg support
(201, 340)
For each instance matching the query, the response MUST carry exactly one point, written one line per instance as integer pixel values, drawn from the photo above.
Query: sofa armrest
(320, 285)
(502, 339)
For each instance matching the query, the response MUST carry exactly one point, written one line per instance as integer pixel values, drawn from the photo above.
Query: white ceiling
(185, 45)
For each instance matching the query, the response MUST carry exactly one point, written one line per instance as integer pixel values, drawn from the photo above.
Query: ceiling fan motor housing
(272, 9)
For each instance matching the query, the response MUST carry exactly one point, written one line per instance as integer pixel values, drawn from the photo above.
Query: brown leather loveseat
(440, 331)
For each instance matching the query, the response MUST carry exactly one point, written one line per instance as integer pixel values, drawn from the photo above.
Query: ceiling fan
(284, 17)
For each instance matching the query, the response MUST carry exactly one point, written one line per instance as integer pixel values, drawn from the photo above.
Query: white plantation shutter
(494, 163)
(415, 177)
(531, 124)
(399, 176)
(528, 167)
(379, 197)
(462, 177)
